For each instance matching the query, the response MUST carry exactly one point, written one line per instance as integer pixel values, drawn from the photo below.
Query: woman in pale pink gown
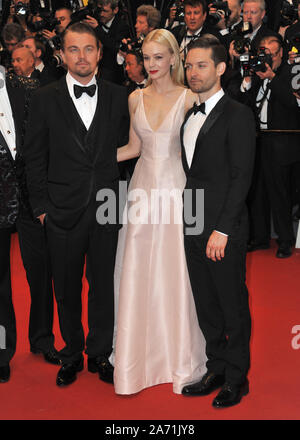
(158, 339)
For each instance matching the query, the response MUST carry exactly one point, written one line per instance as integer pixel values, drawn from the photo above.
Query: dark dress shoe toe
(208, 383)
(230, 395)
(284, 251)
(256, 246)
(104, 368)
(50, 356)
(68, 372)
(4, 373)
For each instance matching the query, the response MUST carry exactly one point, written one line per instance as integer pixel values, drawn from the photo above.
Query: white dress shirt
(7, 125)
(193, 126)
(85, 105)
(194, 123)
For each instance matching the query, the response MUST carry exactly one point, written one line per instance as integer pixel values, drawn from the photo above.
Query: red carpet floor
(274, 287)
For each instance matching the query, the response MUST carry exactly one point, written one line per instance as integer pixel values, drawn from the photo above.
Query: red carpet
(274, 287)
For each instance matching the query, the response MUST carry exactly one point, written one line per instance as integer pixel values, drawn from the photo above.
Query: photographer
(44, 72)
(227, 14)
(271, 96)
(110, 29)
(134, 67)
(148, 18)
(293, 33)
(253, 13)
(195, 14)
(11, 36)
(63, 15)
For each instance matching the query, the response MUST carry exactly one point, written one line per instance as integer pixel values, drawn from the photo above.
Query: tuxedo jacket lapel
(183, 155)
(68, 109)
(208, 124)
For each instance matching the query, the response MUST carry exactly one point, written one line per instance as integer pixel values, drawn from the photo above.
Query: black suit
(110, 69)
(278, 153)
(222, 167)
(67, 165)
(179, 32)
(15, 214)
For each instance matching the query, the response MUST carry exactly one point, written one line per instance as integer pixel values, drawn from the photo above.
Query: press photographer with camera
(270, 94)
(196, 25)
(254, 12)
(292, 38)
(110, 29)
(147, 19)
(225, 15)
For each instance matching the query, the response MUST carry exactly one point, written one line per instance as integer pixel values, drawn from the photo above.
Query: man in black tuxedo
(218, 146)
(111, 30)
(75, 126)
(195, 14)
(271, 97)
(16, 215)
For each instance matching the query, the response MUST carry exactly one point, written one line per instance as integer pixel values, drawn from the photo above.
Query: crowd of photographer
(263, 42)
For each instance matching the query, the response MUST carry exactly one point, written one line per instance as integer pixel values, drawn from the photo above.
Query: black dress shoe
(4, 373)
(50, 356)
(230, 395)
(255, 246)
(209, 382)
(284, 251)
(103, 367)
(68, 372)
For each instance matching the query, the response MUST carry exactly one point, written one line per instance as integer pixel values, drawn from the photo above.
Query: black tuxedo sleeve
(241, 151)
(123, 133)
(36, 154)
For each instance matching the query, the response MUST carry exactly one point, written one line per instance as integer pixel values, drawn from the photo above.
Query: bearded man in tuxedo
(75, 126)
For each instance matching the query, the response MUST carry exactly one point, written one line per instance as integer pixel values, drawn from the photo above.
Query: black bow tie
(140, 86)
(199, 108)
(79, 90)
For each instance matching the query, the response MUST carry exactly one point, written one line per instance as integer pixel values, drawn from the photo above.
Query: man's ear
(221, 67)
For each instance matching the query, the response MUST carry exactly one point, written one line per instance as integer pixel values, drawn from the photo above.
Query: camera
(179, 14)
(289, 13)
(241, 43)
(91, 9)
(222, 10)
(48, 22)
(21, 8)
(255, 62)
(135, 43)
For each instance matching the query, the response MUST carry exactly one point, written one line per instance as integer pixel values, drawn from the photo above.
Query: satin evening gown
(158, 339)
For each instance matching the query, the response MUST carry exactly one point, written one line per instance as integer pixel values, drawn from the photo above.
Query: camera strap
(260, 102)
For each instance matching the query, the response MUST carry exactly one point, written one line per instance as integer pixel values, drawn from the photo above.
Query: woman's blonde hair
(167, 39)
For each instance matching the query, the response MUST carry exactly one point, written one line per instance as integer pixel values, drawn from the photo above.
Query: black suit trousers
(38, 272)
(69, 249)
(221, 299)
(278, 183)
(258, 201)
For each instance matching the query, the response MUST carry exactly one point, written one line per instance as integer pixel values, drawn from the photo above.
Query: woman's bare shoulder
(133, 100)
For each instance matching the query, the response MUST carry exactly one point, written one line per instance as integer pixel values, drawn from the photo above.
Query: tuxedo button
(1, 114)
(8, 131)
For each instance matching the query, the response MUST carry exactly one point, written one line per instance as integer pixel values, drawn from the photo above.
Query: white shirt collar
(213, 100)
(195, 33)
(109, 23)
(72, 81)
(40, 67)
